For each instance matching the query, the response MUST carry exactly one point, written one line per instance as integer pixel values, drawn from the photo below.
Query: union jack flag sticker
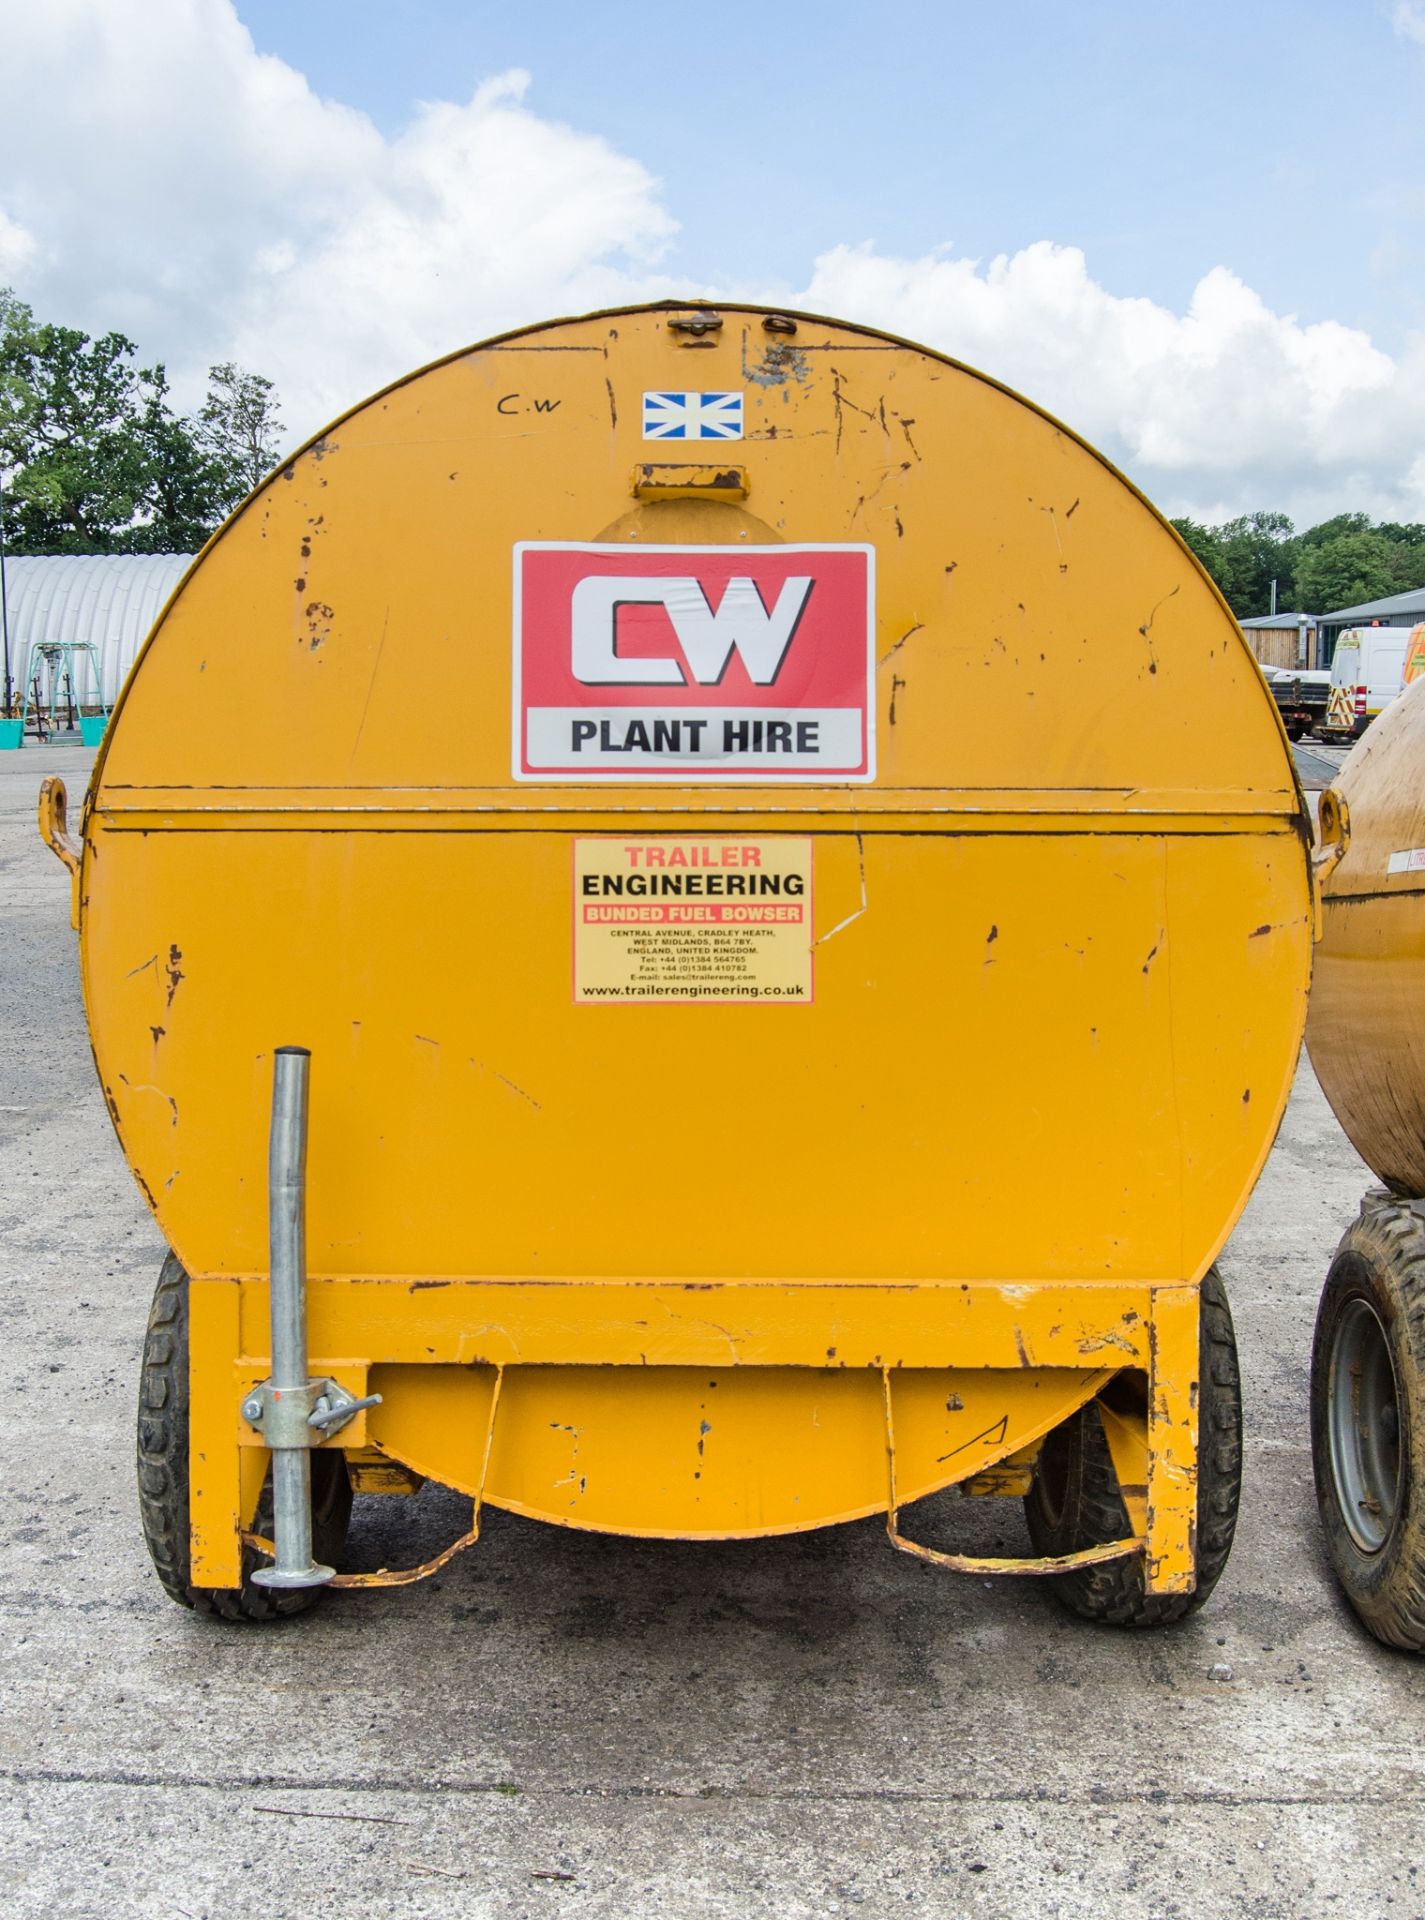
(692, 416)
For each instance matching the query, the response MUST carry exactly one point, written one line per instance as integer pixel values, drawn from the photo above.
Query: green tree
(240, 426)
(1244, 556)
(74, 465)
(1257, 549)
(1347, 568)
(188, 491)
(1337, 527)
(95, 459)
(1204, 543)
(1339, 562)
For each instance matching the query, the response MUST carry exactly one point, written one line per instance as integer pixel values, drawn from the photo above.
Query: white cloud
(1409, 21)
(17, 247)
(1227, 401)
(213, 206)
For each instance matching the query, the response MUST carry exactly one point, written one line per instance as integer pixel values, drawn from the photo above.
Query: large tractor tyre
(1074, 1501)
(1368, 1418)
(163, 1478)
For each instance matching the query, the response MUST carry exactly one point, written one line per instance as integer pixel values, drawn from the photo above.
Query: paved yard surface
(563, 1725)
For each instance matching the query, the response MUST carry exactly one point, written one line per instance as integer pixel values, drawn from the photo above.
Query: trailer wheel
(163, 1477)
(1074, 1501)
(1294, 729)
(1368, 1418)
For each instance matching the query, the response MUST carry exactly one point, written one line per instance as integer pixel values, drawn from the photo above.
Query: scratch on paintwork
(1147, 627)
(573, 1478)
(426, 1040)
(370, 685)
(717, 1327)
(919, 627)
(1054, 523)
(519, 1090)
(613, 404)
(897, 686)
(869, 499)
(839, 403)
(1021, 1349)
(505, 1081)
(994, 1434)
(704, 1429)
(841, 925)
(152, 961)
(143, 1086)
(175, 972)
(1095, 1343)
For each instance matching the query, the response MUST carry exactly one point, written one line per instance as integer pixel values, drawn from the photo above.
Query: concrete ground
(561, 1724)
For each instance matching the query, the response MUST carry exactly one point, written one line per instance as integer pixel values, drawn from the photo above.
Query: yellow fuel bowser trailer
(764, 971)
(1367, 1040)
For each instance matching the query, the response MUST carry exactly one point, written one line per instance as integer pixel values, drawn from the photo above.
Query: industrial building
(1395, 610)
(107, 600)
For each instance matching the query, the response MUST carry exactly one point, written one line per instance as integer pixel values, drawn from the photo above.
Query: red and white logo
(688, 664)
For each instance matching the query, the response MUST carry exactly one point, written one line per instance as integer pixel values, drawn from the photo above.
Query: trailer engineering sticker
(703, 918)
(693, 664)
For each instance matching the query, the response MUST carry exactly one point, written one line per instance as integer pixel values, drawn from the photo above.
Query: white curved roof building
(109, 599)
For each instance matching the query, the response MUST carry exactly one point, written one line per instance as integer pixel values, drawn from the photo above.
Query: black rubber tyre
(163, 1477)
(1368, 1418)
(1074, 1501)
(1294, 729)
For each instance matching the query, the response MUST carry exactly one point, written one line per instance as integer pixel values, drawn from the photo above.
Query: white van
(1367, 672)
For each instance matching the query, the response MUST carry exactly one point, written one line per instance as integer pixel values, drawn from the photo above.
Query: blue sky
(1194, 234)
(1284, 141)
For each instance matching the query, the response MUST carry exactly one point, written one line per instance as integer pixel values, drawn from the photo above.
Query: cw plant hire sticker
(692, 665)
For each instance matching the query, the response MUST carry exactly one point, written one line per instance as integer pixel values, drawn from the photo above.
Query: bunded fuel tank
(1367, 1038)
(1367, 1028)
(798, 900)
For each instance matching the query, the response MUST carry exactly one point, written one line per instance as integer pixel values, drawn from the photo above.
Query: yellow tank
(1367, 1040)
(1367, 1029)
(803, 942)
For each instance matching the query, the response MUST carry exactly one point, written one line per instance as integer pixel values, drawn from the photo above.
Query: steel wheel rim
(1052, 1482)
(1364, 1426)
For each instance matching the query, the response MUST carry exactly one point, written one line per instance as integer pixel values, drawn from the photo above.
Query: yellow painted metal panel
(997, 1004)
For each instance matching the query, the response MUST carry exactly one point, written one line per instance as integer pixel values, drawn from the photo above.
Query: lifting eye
(695, 323)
